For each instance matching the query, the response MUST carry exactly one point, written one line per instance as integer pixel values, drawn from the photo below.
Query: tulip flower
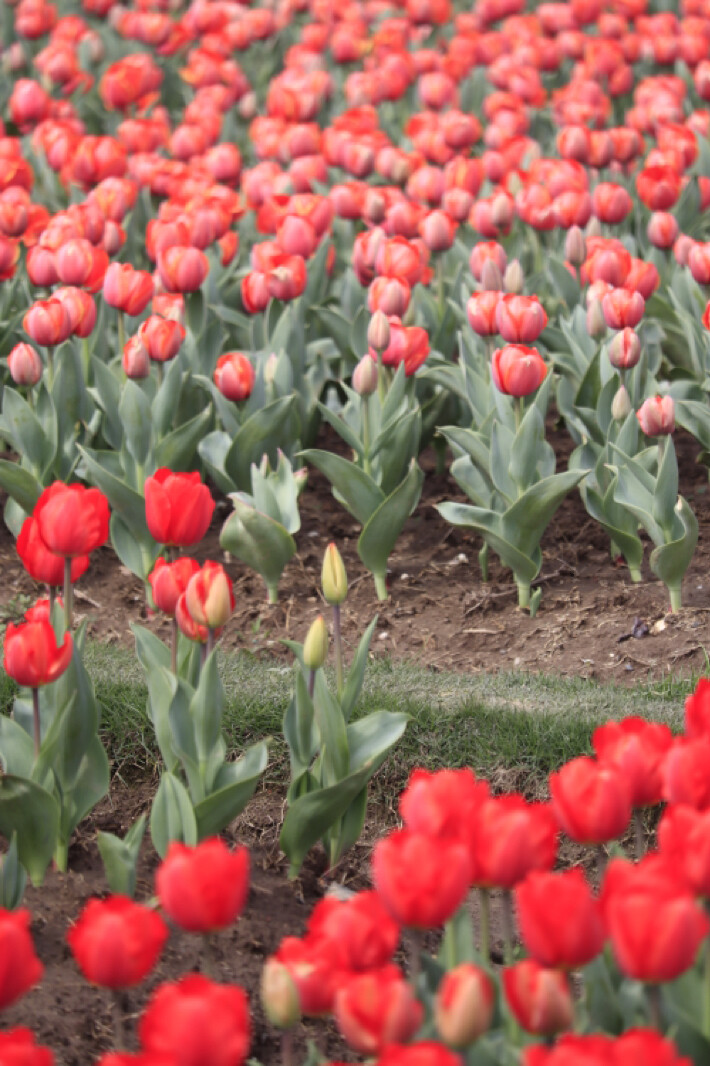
(136, 359)
(126, 289)
(21, 969)
(162, 337)
(520, 319)
(279, 995)
(509, 837)
(443, 805)
(377, 1008)
(47, 322)
(481, 309)
(312, 964)
(421, 882)
(625, 349)
(697, 711)
(592, 801)
(178, 508)
(423, 1053)
(205, 888)
(24, 364)
(18, 1047)
(539, 899)
(518, 370)
(638, 749)
(685, 772)
(116, 942)
(657, 416)
(182, 269)
(209, 597)
(33, 658)
(234, 376)
(540, 999)
(361, 931)
(463, 1009)
(196, 1021)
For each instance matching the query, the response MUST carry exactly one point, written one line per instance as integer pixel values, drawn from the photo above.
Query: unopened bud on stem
(378, 332)
(334, 579)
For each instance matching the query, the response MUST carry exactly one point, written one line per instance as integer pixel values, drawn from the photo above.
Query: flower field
(334, 332)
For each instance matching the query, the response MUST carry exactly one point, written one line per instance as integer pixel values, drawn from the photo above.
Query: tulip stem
(174, 635)
(601, 863)
(68, 595)
(287, 1047)
(484, 902)
(52, 599)
(209, 647)
(706, 998)
(86, 359)
(121, 333)
(380, 586)
(338, 641)
(35, 719)
(160, 374)
(654, 1003)
(441, 287)
(639, 835)
(381, 389)
(676, 598)
(523, 594)
(119, 1040)
(508, 927)
(483, 562)
(50, 367)
(519, 411)
(366, 434)
(415, 955)
(272, 594)
(311, 683)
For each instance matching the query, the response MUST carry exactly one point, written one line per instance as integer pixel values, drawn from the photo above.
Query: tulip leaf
(356, 673)
(206, 711)
(107, 391)
(666, 492)
(20, 485)
(16, 748)
(525, 522)
(137, 552)
(670, 561)
(351, 486)
(213, 450)
(177, 449)
(372, 737)
(346, 832)
(155, 657)
(234, 786)
(183, 730)
(120, 857)
(472, 480)
(136, 419)
(13, 878)
(166, 400)
(259, 541)
(333, 734)
(499, 461)
(381, 531)
(342, 428)
(261, 434)
(172, 816)
(21, 426)
(488, 524)
(33, 813)
(396, 445)
(89, 786)
(299, 727)
(124, 500)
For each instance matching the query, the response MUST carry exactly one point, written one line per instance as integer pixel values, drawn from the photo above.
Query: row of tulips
(633, 939)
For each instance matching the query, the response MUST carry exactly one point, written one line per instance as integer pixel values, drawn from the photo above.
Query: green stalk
(381, 387)
(380, 586)
(484, 900)
(174, 635)
(366, 432)
(121, 333)
(523, 594)
(86, 359)
(338, 642)
(676, 598)
(706, 996)
(35, 719)
(68, 595)
(519, 411)
(50, 368)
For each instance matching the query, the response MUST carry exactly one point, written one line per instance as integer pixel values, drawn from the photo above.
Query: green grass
(511, 727)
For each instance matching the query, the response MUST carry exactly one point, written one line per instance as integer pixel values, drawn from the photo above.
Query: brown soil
(439, 612)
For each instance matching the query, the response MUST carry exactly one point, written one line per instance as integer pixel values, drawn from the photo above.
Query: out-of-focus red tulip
(638, 748)
(540, 999)
(520, 319)
(234, 376)
(377, 1008)
(116, 942)
(463, 1009)
(127, 289)
(518, 370)
(592, 800)
(47, 322)
(420, 882)
(40, 563)
(622, 309)
(539, 898)
(162, 337)
(209, 597)
(24, 364)
(196, 1021)
(178, 508)
(32, 656)
(22, 969)
(657, 416)
(205, 888)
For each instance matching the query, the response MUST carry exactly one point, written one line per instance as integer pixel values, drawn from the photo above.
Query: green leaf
(356, 673)
(120, 858)
(501, 447)
(16, 748)
(299, 727)
(670, 561)
(177, 449)
(172, 816)
(206, 711)
(32, 813)
(666, 494)
(167, 398)
(351, 485)
(488, 524)
(20, 484)
(155, 658)
(259, 541)
(262, 433)
(136, 418)
(343, 430)
(525, 522)
(213, 450)
(333, 734)
(381, 531)
(137, 552)
(371, 738)
(21, 426)
(89, 786)
(124, 500)
(13, 878)
(234, 786)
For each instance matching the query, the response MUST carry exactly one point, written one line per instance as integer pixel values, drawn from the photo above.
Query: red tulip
(638, 749)
(116, 942)
(72, 519)
(9, 256)
(699, 262)
(508, 838)
(313, 965)
(162, 337)
(401, 258)
(234, 376)
(572, 1050)
(657, 416)
(80, 307)
(540, 999)
(361, 931)
(611, 203)
(32, 655)
(24, 364)
(540, 899)
(424, 1053)
(47, 323)
(655, 925)
(127, 289)
(29, 103)
(18, 1048)
(378, 1008)
(287, 277)
(41, 564)
(646, 1047)
(197, 1022)
(659, 187)
(625, 348)
(482, 252)
(686, 772)
(697, 711)
(420, 881)
(408, 345)
(79, 263)
(481, 309)
(21, 969)
(136, 359)
(205, 888)
(662, 230)
(389, 295)
(178, 508)
(592, 801)
(255, 292)
(443, 805)
(168, 581)
(464, 1004)
(517, 370)
(182, 269)
(520, 319)
(209, 597)
(622, 308)
(41, 267)
(684, 842)
(437, 230)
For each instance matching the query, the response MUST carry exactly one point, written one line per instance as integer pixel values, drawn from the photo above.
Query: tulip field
(334, 333)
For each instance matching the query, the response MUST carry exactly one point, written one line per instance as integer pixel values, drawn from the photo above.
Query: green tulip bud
(333, 576)
(279, 995)
(621, 405)
(315, 648)
(513, 278)
(378, 332)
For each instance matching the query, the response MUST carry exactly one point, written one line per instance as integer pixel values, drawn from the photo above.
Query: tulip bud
(209, 597)
(248, 106)
(365, 376)
(657, 416)
(270, 367)
(24, 364)
(378, 332)
(279, 995)
(621, 404)
(300, 477)
(136, 359)
(594, 227)
(491, 277)
(625, 349)
(315, 648)
(575, 246)
(514, 279)
(374, 207)
(464, 1004)
(596, 323)
(501, 211)
(333, 576)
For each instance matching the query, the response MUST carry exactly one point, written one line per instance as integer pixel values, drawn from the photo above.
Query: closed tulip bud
(279, 995)
(625, 349)
(491, 276)
(248, 106)
(621, 404)
(209, 597)
(593, 228)
(662, 230)
(501, 211)
(514, 279)
(136, 359)
(365, 376)
(540, 999)
(575, 246)
(657, 416)
(463, 1009)
(334, 579)
(378, 332)
(24, 364)
(596, 323)
(315, 648)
